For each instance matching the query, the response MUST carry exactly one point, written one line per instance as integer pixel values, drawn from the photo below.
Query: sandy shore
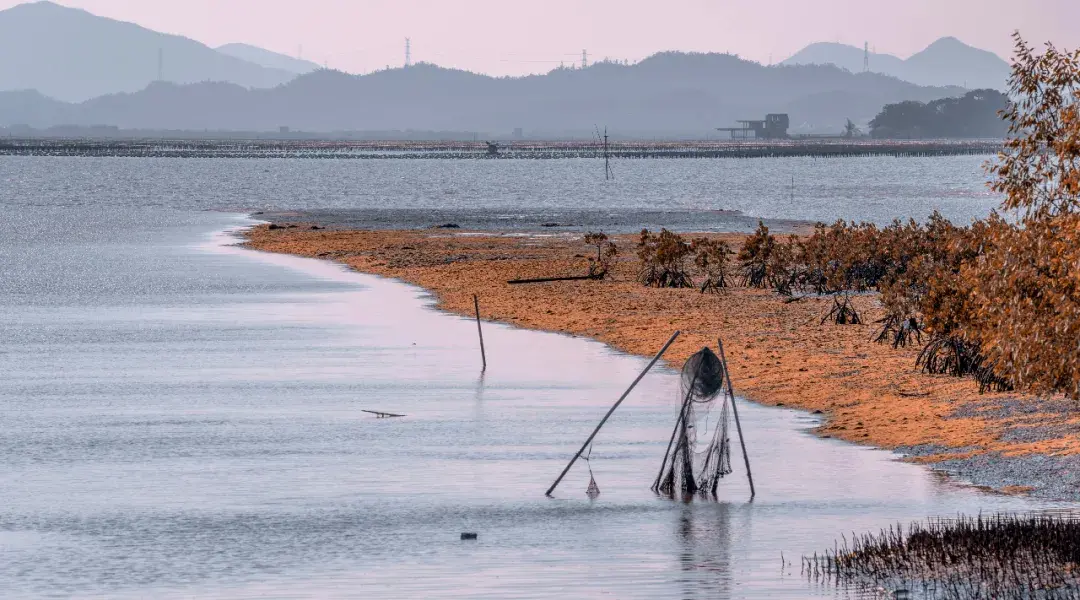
(780, 353)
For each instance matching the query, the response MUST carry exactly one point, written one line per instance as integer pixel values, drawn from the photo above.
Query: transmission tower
(584, 59)
(866, 57)
(408, 52)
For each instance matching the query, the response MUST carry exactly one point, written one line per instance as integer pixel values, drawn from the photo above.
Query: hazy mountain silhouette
(947, 61)
(72, 55)
(268, 59)
(664, 94)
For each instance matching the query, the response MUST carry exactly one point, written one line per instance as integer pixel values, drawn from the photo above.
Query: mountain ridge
(90, 56)
(665, 93)
(947, 61)
(268, 58)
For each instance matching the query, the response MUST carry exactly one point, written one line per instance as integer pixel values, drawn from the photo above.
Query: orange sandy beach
(780, 353)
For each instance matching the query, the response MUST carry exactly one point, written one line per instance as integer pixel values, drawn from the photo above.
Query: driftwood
(550, 279)
(382, 415)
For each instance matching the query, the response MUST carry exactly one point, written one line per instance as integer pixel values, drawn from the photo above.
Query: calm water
(182, 418)
(510, 193)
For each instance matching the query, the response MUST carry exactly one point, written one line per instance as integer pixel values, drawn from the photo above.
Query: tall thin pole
(479, 330)
(738, 425)
(608, 415)
(607, 163)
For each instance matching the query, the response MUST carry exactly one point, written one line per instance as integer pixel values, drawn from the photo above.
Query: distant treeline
(975, 115)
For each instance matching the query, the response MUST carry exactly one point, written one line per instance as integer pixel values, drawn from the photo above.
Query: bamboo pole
(612, 410)
(674, 432)
(738, 425)
(479, 330)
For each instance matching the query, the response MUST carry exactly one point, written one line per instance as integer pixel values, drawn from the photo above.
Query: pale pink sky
(519, 36)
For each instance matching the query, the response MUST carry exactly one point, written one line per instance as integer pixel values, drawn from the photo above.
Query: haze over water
(182, 418)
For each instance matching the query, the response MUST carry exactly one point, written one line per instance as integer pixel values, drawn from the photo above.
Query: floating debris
(383, 415)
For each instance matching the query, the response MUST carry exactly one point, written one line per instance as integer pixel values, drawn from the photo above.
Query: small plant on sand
(712, 259)
(754, 257)
(606, 252)
(663, 260)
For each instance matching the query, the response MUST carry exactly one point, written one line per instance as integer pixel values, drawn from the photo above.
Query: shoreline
(780, 354)
(177, 145)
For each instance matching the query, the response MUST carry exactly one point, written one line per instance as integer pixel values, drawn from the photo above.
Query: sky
(513, 37)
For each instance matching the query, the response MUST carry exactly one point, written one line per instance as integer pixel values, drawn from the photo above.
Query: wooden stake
(607, 161)
(479, 330)
(608, 415)
(738, 425)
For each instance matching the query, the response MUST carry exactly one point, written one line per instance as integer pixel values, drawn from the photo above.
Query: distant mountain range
(72, 55)
(268, 59)
(947, 61)
(67, 67)
(668, 93)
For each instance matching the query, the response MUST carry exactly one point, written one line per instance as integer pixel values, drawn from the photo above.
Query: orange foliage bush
(1025, 281)
(663, 260)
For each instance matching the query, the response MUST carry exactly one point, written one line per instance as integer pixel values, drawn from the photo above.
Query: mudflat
(780, 352)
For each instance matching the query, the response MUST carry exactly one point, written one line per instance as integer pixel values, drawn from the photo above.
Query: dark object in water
(382, 415)
(685, 471)
(549, 225)
(274, 226)
(1001, 556)
(315, 228)
(469, 536)
(593, 491)
(448, 226)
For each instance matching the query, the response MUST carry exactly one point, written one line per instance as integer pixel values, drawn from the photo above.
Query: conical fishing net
(593, 491)
(703, 419)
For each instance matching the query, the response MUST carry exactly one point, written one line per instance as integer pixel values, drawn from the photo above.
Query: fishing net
(593, 491)
(703, 419)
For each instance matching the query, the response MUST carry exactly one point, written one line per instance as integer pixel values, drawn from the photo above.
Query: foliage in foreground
(1002, 556)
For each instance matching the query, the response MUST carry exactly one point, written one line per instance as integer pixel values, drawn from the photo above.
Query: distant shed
(774, 127)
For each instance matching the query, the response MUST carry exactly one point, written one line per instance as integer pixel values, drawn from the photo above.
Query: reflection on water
(183, 419)
(705, 555)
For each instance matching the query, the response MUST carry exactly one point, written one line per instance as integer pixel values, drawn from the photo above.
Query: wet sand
(780, 353)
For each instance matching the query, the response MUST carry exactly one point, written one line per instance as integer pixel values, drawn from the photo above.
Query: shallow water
(182, 418)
